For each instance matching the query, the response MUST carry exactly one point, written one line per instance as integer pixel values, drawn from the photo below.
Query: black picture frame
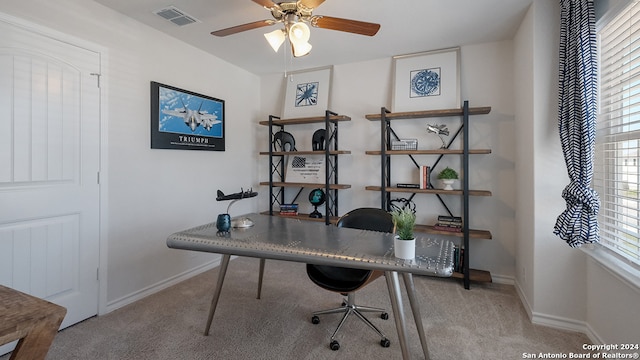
(185, 120)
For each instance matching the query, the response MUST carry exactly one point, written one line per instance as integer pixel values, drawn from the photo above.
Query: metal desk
(281, 238)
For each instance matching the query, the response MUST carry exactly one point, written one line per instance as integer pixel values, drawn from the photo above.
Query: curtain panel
(577, 114)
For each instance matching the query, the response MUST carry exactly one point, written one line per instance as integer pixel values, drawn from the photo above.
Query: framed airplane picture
(185, 120)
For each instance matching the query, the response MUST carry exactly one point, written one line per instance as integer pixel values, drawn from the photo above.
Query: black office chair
(346, 280)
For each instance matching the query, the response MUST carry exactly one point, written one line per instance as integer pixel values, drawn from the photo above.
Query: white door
(49, 162)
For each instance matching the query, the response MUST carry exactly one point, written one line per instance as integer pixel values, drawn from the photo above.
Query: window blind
(616, 177)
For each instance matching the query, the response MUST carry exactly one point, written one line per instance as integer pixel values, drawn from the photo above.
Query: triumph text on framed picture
(426, 81)
(307, 93)
(182, 119)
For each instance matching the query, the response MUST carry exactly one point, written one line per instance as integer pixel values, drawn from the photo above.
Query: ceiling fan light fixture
(299, 35)
(275, 38)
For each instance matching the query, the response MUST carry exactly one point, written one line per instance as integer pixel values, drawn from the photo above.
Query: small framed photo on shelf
(305, 169)
(426, 81)
(307, 93)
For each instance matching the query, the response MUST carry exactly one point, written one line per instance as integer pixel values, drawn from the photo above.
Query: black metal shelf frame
(277, 165)
(386, 133)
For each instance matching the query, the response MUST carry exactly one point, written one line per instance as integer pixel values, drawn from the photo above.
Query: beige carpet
(486, 322)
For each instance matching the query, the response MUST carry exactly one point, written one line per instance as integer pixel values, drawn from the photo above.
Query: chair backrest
(367, 219)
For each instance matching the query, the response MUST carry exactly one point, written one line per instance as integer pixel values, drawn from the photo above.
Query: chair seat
(338, 279)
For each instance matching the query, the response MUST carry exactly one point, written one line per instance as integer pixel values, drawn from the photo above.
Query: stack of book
(424, 177)
(449, 223)
(289, 209)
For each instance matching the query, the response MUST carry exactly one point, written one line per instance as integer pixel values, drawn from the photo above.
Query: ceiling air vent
(176, 16)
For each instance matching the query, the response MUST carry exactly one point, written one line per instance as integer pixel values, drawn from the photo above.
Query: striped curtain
(577, 113)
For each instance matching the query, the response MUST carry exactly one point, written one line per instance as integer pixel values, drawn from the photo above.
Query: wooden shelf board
(308, 185)
(300, 216)
(430, 191)
(428, 152)
(429, 113)
(319, 152)
(473, 233)
(475, 275)
(306, 120)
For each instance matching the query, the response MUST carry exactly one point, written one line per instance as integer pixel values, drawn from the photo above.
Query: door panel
(49, 163)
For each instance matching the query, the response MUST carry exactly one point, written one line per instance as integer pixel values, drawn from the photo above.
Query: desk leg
(398, 312)
(216, 292)
(415, 308)
(260, 277)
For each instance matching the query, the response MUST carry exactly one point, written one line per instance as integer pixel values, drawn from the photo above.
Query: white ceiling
(407, 26)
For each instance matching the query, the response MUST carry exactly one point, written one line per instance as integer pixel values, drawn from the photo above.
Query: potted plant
(404, 242)
(448, 176)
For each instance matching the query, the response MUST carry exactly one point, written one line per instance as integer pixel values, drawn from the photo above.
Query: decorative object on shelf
(425, 173)
(427, 80)
(318, 140)
(439, 130)
(448, 176)
(305, 169)
(404, 243)
(449, 223)
(307, 92)
(224, 222)
(284, 141)
(404, 144)
(288, 209)
(185, 120)
(316, 198)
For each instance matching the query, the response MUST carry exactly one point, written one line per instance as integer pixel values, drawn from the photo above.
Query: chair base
(348, 308)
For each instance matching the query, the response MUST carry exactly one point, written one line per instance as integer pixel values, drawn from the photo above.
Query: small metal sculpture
(224, 222)
(284, 141)
(318, 139)
(439, 130)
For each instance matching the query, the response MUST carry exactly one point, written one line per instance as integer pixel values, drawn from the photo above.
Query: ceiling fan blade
(311, 4)
(240, 28)
(352, 26)
(266, 3)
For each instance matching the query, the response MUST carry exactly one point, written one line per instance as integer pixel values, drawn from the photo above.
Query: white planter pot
(404, 249)
(447, 184)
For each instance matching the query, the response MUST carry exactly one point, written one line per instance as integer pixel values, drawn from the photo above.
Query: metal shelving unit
(387, 133)
(277, 162)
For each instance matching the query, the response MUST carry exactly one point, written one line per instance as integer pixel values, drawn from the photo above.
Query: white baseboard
(556, 321)
(142, 293)
(559, 322)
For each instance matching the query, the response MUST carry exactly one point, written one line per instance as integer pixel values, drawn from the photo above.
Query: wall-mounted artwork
(185, 120)
(307, 93)
(426, 81)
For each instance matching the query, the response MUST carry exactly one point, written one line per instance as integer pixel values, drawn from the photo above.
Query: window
(616, 177)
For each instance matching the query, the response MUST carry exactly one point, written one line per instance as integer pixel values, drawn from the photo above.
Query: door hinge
(97, 274)
(98, 177)
(97, 75)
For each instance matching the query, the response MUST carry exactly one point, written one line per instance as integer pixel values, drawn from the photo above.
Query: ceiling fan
(295, 15)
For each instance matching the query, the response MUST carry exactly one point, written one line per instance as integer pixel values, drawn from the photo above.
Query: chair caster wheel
(385, 343)
(315, 320)
(334, 345)
(384, 316)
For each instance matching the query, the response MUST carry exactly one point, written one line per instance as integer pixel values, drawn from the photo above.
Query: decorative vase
(404, 249)
(447, 184)
(223, 223)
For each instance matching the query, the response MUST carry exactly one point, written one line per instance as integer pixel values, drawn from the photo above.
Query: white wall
(363, 88)
(153, 193)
